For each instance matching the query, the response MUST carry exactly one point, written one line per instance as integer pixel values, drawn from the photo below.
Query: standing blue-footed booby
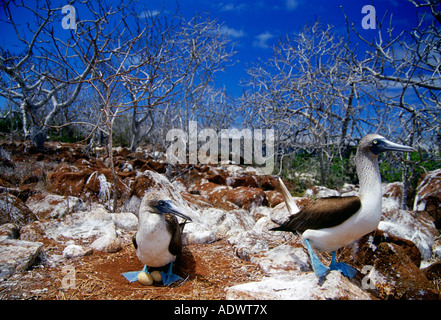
(159, 237)
(328, 224)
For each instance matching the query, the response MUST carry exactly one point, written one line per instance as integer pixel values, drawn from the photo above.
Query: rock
(362, 252)
(267, 182)
(247, 181)
(17, 256)
(273, 197)
(392, 196)
(397, 273)
(214, 193)
(8, 173)
(9, 231)
(81, 225)
(283, 259)
(433, 272)
(84, 181)
(217, 179)
(436, 249)
(301, 286)
(417, 227)
(13, 210)
(245, 197)
(74, 251)
(321, 192)
(422, 294)
(428, 195)
(107, 244)
(53, 206)
(69, 180)
(32, 232)
(125, 220)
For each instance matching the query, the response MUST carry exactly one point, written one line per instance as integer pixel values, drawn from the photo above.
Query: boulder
(214, 193)
(74, 251)
(13, 210)
(125, 220)
(392, 196)
(428, 195)
(17, 256)
(418, 227)
(397, 274)
(86, 225)
(362, 252)
(284, 258)
(273, 198)
(9, 231)
(299, 286)
(53, 206)
(245, 197)
(321, 192)
(107, 243)
(69, 180)
(246, 181)
(433, 272)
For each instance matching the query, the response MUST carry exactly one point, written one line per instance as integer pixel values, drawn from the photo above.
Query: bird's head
(158, 203)
(375, 144)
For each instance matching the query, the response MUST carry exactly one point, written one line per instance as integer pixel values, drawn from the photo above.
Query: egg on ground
(145, 279)
(157, 277)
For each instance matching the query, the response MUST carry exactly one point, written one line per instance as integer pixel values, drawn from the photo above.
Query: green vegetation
(303, 169)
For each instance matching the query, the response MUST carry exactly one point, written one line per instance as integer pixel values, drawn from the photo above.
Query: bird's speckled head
(373, 144)
(158, 202)
(369, 142)
(152, 199)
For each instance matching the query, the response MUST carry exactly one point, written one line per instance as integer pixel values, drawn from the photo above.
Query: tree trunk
(112, 166)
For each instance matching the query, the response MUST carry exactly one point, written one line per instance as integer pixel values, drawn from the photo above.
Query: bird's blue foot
(132, 276)
(169, 277)
(319, 268)
(344, 268)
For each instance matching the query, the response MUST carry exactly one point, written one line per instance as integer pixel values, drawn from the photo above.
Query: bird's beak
(167, 206)
(391, 146)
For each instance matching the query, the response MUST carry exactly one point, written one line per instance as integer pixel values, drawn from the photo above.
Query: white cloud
(233, 33)
(291, 4)
(232, 6)
(262, 39)
(148, 13)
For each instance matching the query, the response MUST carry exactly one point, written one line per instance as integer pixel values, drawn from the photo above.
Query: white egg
(145, 279)
(157, 277)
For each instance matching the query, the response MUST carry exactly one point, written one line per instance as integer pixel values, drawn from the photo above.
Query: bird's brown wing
(322, 213)
(174, 228)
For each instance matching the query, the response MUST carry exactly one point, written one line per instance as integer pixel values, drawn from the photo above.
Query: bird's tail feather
(290, 203)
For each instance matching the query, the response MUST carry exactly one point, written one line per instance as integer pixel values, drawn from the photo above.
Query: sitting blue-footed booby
(159, 237)
(328, 224)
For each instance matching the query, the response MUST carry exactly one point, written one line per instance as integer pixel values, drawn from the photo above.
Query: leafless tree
(407, 66)
(36, 77)
(182, 58)
(307, 91)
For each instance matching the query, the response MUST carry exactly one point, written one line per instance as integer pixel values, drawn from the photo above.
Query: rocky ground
(59, 240)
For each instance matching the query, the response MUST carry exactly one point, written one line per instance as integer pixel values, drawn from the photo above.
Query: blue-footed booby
(159, 237)
(328, 224)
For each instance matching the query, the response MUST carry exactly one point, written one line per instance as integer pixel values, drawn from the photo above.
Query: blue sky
(255, 26)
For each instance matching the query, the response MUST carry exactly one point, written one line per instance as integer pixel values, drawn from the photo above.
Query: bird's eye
(375, 141)
(161, 203)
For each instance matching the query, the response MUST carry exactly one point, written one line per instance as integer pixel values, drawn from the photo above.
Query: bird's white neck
(148, 221)
(369, 176)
